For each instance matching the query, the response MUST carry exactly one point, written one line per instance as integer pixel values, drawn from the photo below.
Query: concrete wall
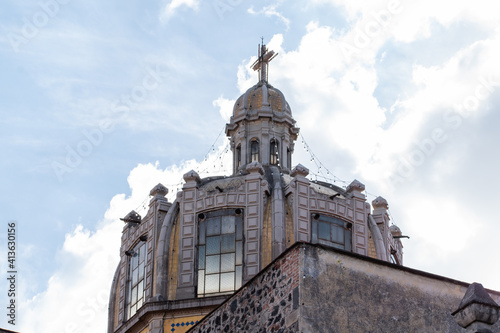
(360, 295)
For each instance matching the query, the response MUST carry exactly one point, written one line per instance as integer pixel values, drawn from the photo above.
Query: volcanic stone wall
(268, 303)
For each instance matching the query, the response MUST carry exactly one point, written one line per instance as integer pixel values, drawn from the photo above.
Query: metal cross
(262, 62)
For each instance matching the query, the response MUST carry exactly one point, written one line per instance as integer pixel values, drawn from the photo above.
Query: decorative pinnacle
(262, 63)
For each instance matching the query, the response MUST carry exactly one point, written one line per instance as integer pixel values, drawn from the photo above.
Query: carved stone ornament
(192, 176)
(159, 191)
(380, 202)
(355, 186)
(395, 231)
(133, 217)
(255, 167)
(477, 312)
(299, 170)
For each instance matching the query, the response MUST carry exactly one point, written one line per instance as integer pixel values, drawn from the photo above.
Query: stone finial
(395, 231)
(380, 202)
(355, 186)
(478, 311)
(299, 170)
(132, 217)
(159, 191)
(192, 176)
(255, 167)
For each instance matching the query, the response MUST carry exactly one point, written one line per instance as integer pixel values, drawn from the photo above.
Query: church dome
(261, 96)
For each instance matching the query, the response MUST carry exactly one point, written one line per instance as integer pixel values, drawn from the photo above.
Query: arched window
(254, 150)
(331, 231)
(220, 252)
(136, 282)
(274, 157)
(238, 157)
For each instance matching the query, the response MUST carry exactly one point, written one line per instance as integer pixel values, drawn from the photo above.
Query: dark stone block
(275, 310)
(234, 305)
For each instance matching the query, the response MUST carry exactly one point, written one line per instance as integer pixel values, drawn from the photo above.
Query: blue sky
(103, 100)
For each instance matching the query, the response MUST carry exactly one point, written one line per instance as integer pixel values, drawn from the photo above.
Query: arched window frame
(274, 155)
(254, 150)
(220, 252)
(136, 279)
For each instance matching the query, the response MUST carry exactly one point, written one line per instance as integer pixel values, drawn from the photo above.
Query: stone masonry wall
(268, 303)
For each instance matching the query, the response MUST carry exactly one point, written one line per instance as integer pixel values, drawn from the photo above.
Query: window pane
(337, 221)
(227, 244)
(212, 283)
(132, 310)
(239, 228)
(324, 230)
(239, 277)
(213, 226)
(337, 234)
(142, 253)
(227, 262)
(139, 303)
(314, 231)
(202, 232)
(228, 224)
(140, 291)
(134, 296)
(239, 253)
(213, 264)
(227, 281)
(134, 261)
(141, 271)
(201, 257)
(201, 282)
(135, 277)
(213, 245)
(347, 234)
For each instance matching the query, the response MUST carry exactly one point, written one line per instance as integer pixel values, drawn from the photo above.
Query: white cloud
(174, 5)
(82, 284)
(270, 11)
(88, 259)
(225, 107)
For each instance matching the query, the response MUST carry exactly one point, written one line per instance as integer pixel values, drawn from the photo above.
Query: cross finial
(262, 62)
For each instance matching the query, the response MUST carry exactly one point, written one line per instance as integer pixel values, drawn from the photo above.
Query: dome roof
(261, 96)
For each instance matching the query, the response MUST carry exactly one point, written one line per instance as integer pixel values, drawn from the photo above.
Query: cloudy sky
(101, 100)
